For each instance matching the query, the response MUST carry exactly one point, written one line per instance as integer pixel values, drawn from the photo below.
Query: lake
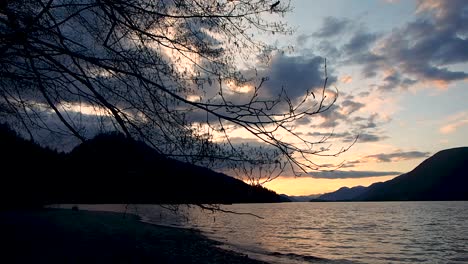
(345, 232)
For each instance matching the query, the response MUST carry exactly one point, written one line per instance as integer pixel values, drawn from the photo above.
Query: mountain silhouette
(27, 170)
(300, 198)
(444, 176)
(342, 194)
(112, 169)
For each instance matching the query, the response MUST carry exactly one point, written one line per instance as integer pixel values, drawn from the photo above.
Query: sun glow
(308, 186)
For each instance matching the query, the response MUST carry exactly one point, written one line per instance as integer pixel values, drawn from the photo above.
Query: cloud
(348, 137)
(292, 75)
(87, 120)
(346, 79)
(340, 112)
(332, 117)
(337, 174)
(367, 127)
(370, 62)
(421, 51)
(329, 134)
(395, 80)
(296, 74)
(350, 106)
(387, 157)
(332, 26)
(454, 122)
(365, 137)
(433, 40)
(328, 49)
(396, 156)
(366, 123)
(301, 39)
(450, 128)
(359, 42)
(364, 94)
(251, 142)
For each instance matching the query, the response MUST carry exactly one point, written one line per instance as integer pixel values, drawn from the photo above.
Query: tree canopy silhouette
(177, 75)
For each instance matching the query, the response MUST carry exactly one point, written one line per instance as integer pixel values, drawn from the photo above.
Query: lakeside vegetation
(112, 169)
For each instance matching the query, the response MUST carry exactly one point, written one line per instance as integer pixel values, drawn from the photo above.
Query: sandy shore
(66, 236)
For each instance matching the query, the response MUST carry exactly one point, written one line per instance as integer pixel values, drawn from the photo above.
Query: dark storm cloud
(337, 174)
(332, 26)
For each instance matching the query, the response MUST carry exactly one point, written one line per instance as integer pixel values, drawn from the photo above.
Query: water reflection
(396, 232)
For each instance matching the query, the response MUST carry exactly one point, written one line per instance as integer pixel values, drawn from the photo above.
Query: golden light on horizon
(308, 185)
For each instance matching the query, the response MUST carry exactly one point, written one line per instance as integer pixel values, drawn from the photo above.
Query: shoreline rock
(67, 236)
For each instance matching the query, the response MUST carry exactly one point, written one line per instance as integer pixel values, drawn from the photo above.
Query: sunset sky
(400, 69)
(402, 73)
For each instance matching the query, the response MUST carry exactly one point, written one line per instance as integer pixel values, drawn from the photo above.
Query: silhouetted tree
(169, 73)
(33, 176)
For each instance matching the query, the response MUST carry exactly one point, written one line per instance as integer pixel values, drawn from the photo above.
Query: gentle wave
(299, 233)
(310, 259)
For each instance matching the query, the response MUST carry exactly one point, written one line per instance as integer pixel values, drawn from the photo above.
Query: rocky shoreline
(70, 236)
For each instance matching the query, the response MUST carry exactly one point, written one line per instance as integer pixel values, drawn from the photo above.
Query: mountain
(342, 194)
(301, 198)
(444, 176)
(112, 169)
(26, 168)
(286, 198)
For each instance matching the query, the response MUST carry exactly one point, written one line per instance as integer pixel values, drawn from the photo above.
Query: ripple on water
(371, 232)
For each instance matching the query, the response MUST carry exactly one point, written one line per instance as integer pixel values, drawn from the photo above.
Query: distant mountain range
(444, 176)
(343, 194)
(111, 169)
(300, 198)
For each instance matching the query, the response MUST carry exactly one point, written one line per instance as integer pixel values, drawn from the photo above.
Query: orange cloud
(454, 122)
(450, 128)
(441, 84)
(346, 79)
(428, 5)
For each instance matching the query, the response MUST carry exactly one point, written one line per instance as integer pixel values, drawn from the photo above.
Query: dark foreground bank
(66, 236)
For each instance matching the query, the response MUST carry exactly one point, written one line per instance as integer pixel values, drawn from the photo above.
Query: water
(371, 232)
